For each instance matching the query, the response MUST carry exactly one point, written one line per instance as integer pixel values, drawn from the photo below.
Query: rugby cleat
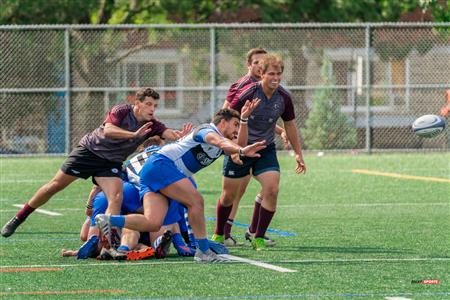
(217, 248)
(140, 254)
(258, 244)
(268, 241)
(162, 244)
(111, 254)
(218, 238)
(104, 224)
(231, 242)
(185, 250)
(11, 226)
(209, 257)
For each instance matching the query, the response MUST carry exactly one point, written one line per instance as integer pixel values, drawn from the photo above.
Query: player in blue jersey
(275, 103)
(165, 175)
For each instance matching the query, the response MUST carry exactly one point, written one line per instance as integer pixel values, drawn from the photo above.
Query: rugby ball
(428, 126)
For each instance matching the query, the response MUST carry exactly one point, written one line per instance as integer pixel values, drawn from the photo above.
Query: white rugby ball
(428, 126)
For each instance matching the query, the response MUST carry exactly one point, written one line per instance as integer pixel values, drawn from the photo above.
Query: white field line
(412, 259)
(42, 211)
(188, 262)
(258, 263)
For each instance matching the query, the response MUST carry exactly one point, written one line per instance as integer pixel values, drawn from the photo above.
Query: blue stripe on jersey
(190, 162)
(201, 134)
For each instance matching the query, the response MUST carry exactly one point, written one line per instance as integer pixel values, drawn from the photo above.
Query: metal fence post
(212, 70)
(67, 87)
(368, 88)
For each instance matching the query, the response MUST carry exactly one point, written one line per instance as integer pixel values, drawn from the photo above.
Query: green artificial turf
(346, 235)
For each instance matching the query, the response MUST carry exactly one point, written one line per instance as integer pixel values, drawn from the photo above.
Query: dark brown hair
(146, 92)
(225, 114)
(254, 51)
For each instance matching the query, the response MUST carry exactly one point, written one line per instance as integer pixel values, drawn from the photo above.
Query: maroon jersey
(263, 120)
(239, 85)
(114, 149)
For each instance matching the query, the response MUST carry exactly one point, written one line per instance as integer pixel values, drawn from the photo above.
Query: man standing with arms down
(100, 154)
(275, 102)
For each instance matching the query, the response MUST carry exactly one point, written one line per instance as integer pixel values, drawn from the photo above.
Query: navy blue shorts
(255, 166)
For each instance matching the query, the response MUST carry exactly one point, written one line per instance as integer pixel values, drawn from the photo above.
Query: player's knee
(227, 197)
(271, 192)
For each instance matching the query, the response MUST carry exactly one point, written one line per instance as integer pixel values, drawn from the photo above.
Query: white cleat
(209, 257)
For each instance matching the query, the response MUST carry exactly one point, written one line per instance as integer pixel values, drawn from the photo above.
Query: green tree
(327, 127)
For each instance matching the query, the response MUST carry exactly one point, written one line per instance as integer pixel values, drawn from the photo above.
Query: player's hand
(250, 150)
(144, 130)
(236, 158)
(248, 107)
(301, 167)
(187, 128)
(88, 212)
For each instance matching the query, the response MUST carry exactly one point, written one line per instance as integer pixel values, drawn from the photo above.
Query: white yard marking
(366, 260)
(397, 298)
(258, 263)
(187, 262)
(42, 211)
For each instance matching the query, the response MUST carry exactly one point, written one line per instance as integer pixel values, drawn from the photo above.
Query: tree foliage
(327, 127)
(208, 11)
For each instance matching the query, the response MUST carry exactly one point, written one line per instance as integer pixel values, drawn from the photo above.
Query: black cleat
(11, 226)
(162, 249)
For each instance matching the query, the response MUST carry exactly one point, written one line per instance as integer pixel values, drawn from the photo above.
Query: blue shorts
(157, 173)
(258, 165)
(173, 214)
(130, 202)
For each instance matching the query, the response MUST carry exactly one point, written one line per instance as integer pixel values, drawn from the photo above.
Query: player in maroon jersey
(100, 154)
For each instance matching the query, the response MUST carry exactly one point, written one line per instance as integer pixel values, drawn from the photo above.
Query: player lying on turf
(165, 175)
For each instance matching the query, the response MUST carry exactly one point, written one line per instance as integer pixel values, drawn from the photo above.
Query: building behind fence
(355, 86)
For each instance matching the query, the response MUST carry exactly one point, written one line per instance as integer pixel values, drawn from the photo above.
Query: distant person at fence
(275, 102)
(223, 235)
(100, 154)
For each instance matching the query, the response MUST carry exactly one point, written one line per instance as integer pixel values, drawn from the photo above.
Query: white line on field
(42, 211)
(302, 261)
(258, 263)
(187, 262)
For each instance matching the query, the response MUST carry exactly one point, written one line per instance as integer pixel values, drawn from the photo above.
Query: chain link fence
(355, 86)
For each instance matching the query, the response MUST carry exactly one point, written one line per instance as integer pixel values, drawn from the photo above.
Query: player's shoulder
(284, 93)
(122, 108)
(249, 90)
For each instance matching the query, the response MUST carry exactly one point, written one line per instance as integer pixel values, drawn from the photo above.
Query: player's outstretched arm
(115, 132)
(230, 147)
(172, 134)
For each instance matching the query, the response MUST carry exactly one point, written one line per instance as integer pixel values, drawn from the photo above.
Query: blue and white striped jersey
(191, 153)
(134, 165)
